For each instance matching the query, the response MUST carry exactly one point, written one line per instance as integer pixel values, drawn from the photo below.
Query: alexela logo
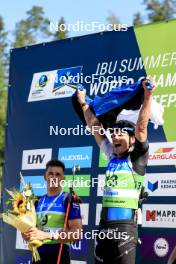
(162, 153)
(161, 247)
(161, 184)
(76, 156)
(35, 158)
(159, 215)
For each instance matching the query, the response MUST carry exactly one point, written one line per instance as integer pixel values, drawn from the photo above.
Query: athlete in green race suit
(51, 210)
(127, 155)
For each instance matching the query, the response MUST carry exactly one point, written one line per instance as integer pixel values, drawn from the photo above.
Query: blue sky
(86, 11)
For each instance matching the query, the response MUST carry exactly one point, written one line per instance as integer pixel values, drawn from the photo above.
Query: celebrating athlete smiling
(127, 155)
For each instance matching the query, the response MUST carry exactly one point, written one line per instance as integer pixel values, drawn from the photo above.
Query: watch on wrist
(83, 104)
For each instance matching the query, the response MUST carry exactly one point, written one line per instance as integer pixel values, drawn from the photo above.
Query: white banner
(35, 158)
(159, 215)
(162, 153)
(160, 184)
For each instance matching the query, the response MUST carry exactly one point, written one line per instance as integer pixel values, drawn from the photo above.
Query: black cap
(128, 125)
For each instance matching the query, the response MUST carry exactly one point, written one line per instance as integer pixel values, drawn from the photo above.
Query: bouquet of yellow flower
(23, 215)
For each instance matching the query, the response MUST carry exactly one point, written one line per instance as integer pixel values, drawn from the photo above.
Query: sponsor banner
(84, 213)
(81, 184)
(103, 161)
(162, 153)
(79, 247)
(20, 243)
(101, 183)
(159, 215)
(157, 247)
(98, 213)
(158, 58)
(38, 183)
(160, 184)
(36, 158)
(76, 156)
(27, 259)
(54, 84)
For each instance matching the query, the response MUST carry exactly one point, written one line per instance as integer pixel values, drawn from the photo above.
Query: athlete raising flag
(127, 155)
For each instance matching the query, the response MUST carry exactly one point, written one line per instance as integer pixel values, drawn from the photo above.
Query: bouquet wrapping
(22, 216)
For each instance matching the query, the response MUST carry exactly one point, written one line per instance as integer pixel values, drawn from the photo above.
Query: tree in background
(36, 28)
(61, 33)
(32, 29)
(137, 21)
(158, 10)
(28, 31)
(114, 20)
(3, 90)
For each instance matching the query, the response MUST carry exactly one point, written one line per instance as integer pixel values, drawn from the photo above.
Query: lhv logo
(35, 158)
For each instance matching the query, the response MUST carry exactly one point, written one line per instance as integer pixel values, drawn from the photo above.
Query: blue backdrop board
(40, 114)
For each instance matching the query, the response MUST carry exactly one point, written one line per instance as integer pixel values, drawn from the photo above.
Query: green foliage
(114, 20)
(137, 21)
(61, 34)
(32, 29)
(3, 91)
(158, 10)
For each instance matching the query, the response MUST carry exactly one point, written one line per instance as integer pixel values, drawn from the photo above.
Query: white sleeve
(107, 148)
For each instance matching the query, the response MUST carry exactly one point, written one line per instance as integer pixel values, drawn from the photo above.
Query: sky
(82, 10)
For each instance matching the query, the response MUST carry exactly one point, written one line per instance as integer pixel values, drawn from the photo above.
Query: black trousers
(119, 249)
(49, 254)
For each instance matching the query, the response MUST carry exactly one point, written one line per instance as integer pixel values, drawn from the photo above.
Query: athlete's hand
(148, 92)
(25, 236)
(35, 233)
(81, 96)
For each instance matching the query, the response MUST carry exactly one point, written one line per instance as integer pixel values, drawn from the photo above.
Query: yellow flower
(19, 204)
